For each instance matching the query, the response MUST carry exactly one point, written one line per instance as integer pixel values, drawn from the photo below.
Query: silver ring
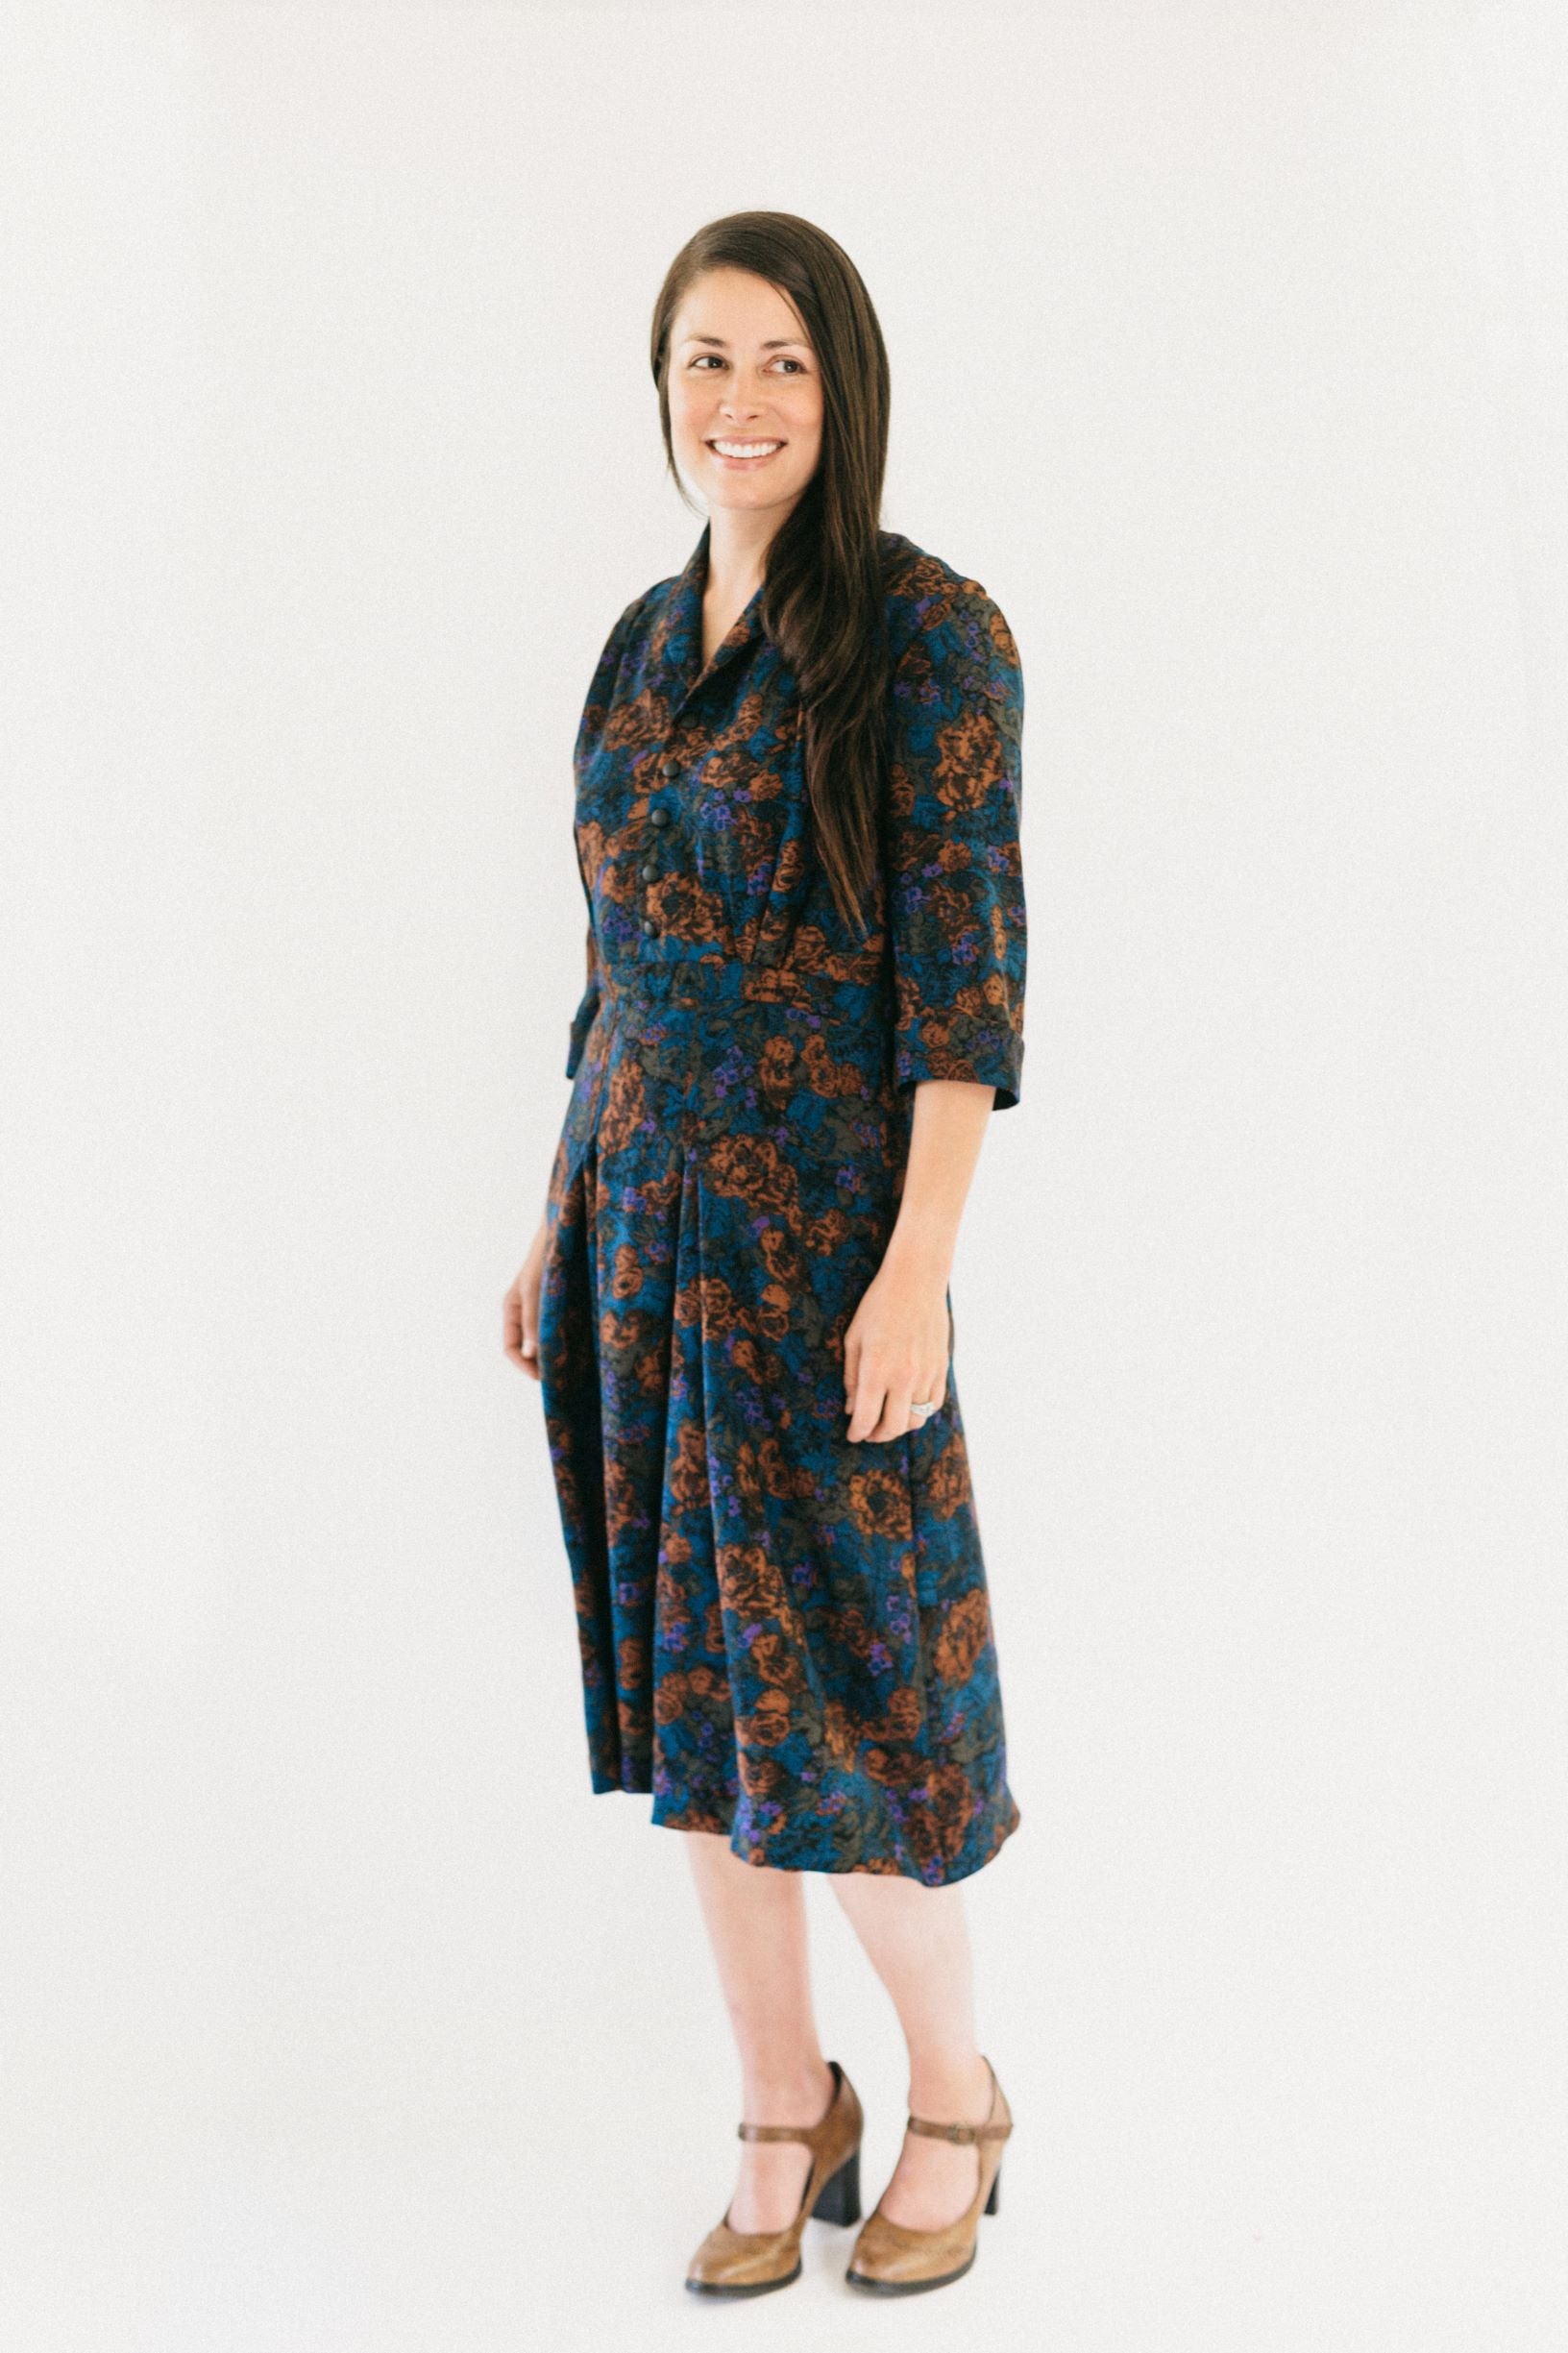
(922, 1405)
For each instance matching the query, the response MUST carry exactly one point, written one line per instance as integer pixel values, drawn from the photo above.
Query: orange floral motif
(964, 1632)
(760, 1775)
(774, 1318)
(693, 1814)
(624, 1105)
(670, 1697)
(969, 760)
(1003, 642)
(750, 1359)
(823, 1236)
(621, 1509)
(673, 1610)
(631, 1661)
(878, 1502)
(777, 1661)
(841, 1734)
(939, 1821)
(853, 1629)
(747, 1472)
(753, 1170)
(953, 906)
(946, 1488)
(769, 1722)
(632, 724)
(710, 1304)
(777, 1254)
(626, 1273)
(687, 1474)
(825, 1076)
(782, 1472)
(685, 910)
(751, 1581)
(776, 1060)
(647, 1371)
(903, 1717)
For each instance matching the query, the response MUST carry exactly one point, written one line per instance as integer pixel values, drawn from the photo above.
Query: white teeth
(746, 448)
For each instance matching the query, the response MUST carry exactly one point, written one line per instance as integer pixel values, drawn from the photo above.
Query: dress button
(649, 873)
(658, 816)
(648, 924)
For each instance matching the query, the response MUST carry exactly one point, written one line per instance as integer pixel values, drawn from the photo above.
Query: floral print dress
(785, 1638)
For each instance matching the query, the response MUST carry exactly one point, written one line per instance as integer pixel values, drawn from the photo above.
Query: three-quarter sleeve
(955, 870)
(596, 711)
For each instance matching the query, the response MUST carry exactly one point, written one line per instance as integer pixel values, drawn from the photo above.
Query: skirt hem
(939, 1873)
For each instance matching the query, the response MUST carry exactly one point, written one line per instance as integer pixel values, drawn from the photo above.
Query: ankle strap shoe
(890, 2259)
(749, 2262)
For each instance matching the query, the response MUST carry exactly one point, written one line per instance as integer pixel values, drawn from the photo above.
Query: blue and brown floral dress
(785, 1638)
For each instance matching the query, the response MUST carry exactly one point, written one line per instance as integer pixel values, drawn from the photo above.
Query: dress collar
(675, 647)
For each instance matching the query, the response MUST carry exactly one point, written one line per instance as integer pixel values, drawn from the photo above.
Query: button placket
(658, 818)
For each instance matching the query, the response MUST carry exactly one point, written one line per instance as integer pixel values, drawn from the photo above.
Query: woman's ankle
(949, 2086)
(794, 2093)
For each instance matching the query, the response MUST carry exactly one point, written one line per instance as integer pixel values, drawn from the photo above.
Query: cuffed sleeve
(955, 870)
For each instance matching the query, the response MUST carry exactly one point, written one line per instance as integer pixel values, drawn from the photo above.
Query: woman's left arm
(896, 1348)
(959, 937)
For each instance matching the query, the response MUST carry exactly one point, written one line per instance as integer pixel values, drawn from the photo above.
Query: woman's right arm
(520, 1307)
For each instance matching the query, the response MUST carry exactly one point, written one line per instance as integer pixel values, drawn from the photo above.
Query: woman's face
(742, 373)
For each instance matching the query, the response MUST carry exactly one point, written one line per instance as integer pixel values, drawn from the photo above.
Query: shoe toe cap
(741, 2259)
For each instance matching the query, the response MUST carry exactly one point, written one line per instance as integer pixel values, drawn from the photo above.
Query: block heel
(840, 2200)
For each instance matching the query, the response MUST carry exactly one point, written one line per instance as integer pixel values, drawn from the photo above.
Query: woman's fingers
(881, 1403)
(520, 1324)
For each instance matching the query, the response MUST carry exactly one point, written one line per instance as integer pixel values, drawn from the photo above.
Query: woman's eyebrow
(775, 343)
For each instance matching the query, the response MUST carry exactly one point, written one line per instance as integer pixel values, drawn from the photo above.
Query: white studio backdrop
(1228, 352)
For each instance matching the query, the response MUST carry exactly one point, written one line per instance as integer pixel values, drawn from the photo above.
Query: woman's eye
(700, 359)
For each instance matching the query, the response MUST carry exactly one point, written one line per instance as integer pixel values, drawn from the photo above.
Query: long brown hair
(823, 592)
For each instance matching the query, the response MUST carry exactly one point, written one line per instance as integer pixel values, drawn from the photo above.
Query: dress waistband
(731, 981)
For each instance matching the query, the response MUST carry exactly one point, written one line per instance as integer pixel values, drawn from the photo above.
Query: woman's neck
(738, 545)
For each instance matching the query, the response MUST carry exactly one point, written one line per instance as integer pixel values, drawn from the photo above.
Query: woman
(797, 781)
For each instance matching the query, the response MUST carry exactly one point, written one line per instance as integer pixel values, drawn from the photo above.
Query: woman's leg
(918, 1940)
(756, 1924)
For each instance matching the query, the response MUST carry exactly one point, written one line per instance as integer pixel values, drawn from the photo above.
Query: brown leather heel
(890, 2259)
(749, 2262)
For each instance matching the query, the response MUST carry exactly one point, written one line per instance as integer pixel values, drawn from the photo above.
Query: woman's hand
(899, 1340)
(520, 1308)
(896, 1349)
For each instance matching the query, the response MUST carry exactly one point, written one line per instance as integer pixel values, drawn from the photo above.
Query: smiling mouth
(737, 453)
